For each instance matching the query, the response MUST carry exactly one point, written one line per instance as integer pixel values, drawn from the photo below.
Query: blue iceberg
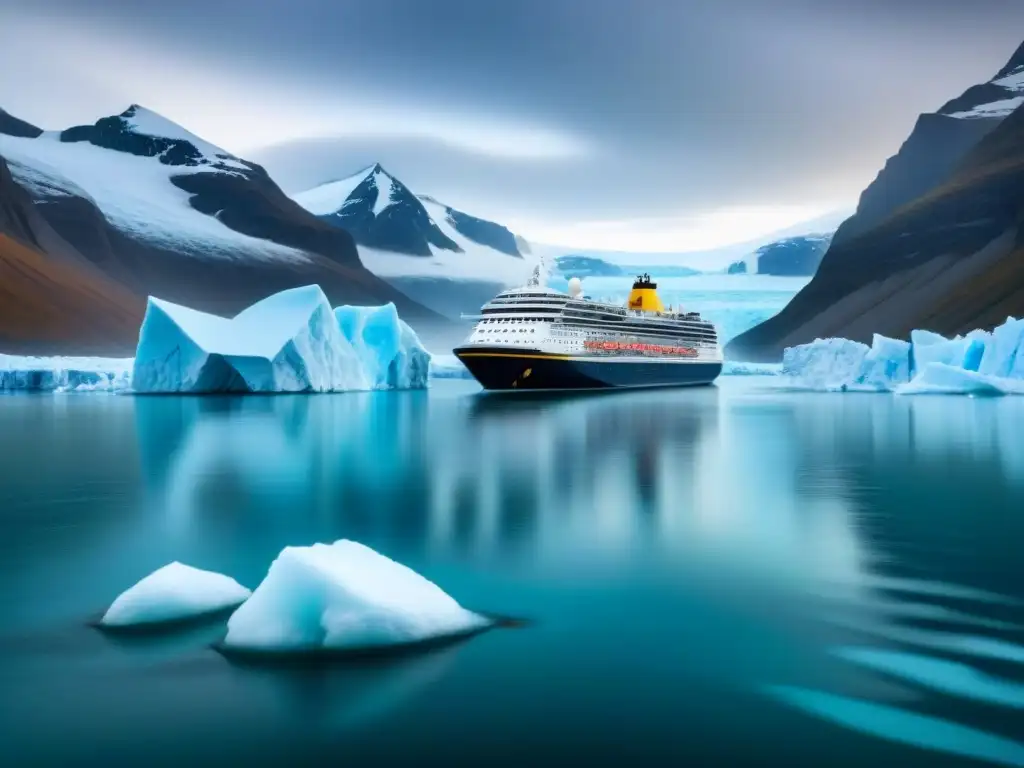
(292, 341)
(978, 363)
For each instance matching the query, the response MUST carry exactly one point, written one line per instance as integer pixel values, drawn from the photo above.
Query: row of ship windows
(514, 320)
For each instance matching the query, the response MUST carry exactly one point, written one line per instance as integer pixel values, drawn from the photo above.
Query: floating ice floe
(64, 374)
(175, 592)
(738, 368)
(980, 363)
(448, 367)
(291, 341)
(344, 596)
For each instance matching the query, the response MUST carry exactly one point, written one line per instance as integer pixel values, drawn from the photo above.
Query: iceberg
(344, 596)
(64, 374)
(978, 363)
(175, 592)
(292, 341)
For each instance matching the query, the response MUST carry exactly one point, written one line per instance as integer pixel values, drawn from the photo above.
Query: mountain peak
(1014, 65)
(141, 131)
(330, 197)
(139, 119)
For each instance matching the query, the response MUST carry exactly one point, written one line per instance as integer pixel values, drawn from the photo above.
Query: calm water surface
(727, 576)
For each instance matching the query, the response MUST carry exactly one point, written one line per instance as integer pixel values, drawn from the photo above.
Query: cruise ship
(537, 338)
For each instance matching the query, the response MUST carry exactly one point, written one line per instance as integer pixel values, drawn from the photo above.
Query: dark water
(731, 576)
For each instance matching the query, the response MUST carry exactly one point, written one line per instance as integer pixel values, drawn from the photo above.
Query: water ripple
(895, 724)
(947, 676)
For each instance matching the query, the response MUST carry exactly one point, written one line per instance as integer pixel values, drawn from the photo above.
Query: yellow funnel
(644, 295)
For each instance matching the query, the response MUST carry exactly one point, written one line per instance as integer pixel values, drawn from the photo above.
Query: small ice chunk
(173, 593)
(344, 596)
(448, 367)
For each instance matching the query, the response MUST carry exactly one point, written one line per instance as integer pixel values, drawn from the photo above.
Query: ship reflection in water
(715, 576)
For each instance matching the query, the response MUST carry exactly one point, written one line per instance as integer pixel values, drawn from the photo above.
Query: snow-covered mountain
(163, 212)
(997, 98)
(379, 211)
(440, 256)
(144, 173)
(390, 224)
(788, 257)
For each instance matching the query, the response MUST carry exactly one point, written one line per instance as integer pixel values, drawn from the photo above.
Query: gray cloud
(676, 106)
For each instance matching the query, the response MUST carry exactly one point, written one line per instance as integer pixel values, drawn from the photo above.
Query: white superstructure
(537, 318)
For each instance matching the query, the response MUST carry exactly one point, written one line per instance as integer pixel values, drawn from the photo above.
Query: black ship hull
(508, 369)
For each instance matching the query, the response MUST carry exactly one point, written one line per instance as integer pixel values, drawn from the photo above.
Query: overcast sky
(622, 124)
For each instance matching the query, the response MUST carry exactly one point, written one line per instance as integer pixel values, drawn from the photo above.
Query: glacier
(64, 374)
(344, 596)
(978, 363)
(292, 341)
(175, 592)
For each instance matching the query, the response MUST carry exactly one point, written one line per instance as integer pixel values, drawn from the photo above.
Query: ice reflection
(695, 477)
(742, 479)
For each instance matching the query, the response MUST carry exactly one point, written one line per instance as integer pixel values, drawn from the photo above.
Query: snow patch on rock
(1000, 108)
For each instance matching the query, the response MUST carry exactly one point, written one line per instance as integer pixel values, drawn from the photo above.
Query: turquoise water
(733, 575)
